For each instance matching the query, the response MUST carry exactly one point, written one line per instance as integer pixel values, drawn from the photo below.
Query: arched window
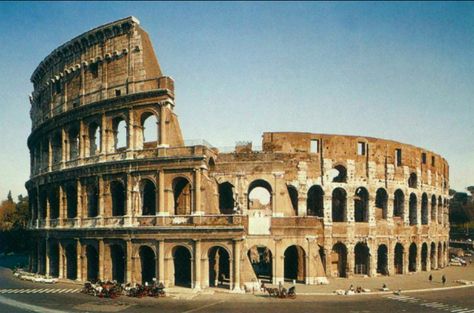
(148, 197)
(398, 203)
(440, 210)
(339, 199)
(92, 200)
(412, 214)
(260, 195)
(381, 198)
(120, 133)
(424, 209)
(293, 193)
(71, 200)
(412, 181)
(53, 199)
(118, 198)
(94, 139)
(362, 259)
(433, 209)
(182, 196)
(73, 137)
(149, 125)
(361, 205)
(226, 198)
(412, 255)
(315, 201)
(57, 147)
(339, 174)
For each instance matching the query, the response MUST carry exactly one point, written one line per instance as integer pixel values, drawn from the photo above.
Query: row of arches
(66, 145)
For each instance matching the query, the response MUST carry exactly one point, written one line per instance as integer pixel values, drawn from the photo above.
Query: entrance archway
(118, 263)
(148, 264)
(382, 260)
(440, 256)
(92, 264)
(71, 261)
(412, 258)
(54, 259)
(295, 262)
(398, 258)
(362, 259)
(182, 266)
(433, 256)
(339, 260)
(424, 257)
(261, 259)
(219, 267)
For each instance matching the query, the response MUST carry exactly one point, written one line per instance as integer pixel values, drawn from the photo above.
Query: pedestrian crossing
(434, 305)
(39, 290)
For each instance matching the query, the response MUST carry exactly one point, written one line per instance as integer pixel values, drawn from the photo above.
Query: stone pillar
(101, 194)
(350, 260)
(406, 209)
(302, 209)
(79, 259)
(390, 200)
(327, 198)
(406, 252)
(197, 191)
(237, 257)
(61, 260)
(62, 205)
(197, 264)
(47, 267)
(428, 257)
(64, 147)
(391, 258)
(350, 206)
(435, 259)
(129, 265)
(104, 140)
(373, 257)
(162, 126)
(82, 140)
(79, 201)
(50, 155)
(278, 260)
(161, 192)
(101, 252)
(161, 262)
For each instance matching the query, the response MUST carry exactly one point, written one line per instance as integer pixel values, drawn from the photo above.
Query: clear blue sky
(402, 71)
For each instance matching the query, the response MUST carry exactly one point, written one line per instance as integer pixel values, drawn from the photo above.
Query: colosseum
(116, 193)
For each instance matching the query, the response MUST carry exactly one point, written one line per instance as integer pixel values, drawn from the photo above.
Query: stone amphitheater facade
(109, 202)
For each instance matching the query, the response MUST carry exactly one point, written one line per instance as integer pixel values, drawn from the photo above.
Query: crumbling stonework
(332, 205)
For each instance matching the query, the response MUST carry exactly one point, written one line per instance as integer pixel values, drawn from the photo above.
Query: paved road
(54, 299)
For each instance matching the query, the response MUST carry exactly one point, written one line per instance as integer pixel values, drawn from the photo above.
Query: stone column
(350, 260)
(373, 257)
(61, 260)
(161, 262)
(79, 259)
(79, 202)
(47, 267)
(104, 140)
(391, 257)
(390, 200)
(406, 209)
(435, 259)
(428, 257)
(197, 191)
(161, 193)
(62, 205)
(101, 252)
(406, 251)
(129, 265)
(197, 264)
(162, 126)
(82, 140)
(350, 207)
(237, 257)
(64, 147)
(371, 210)
(101, 194)
(50, 155)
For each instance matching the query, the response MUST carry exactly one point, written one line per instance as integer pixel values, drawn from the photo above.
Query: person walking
(443, 279)
(430, 278)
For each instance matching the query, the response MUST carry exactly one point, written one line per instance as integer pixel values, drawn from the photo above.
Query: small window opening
(398, 157)
(361, 148)
(57, 87)
(433, 161)
(423, 158)
(314, 146)
(118, 92)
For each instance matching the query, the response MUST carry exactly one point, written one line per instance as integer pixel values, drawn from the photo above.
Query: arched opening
(382, 260)
(212, 165)
(412, 215)
(444, 253)
(120, 133)
(424, 257)
(339, 174)
(182, 266)
(150, 130)
(433, 209)
(42, 258)
(433, 256)
(398, 204)
(412, 180)
(92, 200)
(381, 199)
(54, 259)
(53, 199)
(117, 256)
(94, 139)
(398, 258)
(219, 267)
(226, 198)
(182, 196)
(293, 193)
(71, 261)
(424, 209)
(339, 260)
(148, 197)
(339, 200)
(361, 205)
(362, 259)
(92, 264)
(57, 148)
(118, 198)
(440, 210)
(440, 255)
(43, 201)
(295, 264)
(260, 195)
(261, 259)
(73, 137)
(412, 258)
(148, 264)
(71, 200)
(315, 201)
